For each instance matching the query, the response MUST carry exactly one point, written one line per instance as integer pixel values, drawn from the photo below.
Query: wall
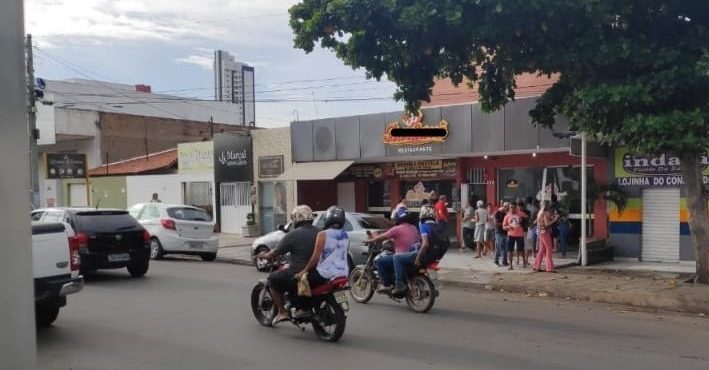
(109, 192)
(445, 93)
(319, 195)
(75, 122)
(269, 142)
(139, 189)
(124, 136)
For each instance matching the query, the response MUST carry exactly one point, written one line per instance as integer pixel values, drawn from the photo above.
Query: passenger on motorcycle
(406, 240)
(329, 258)
(299, 242)
(427, 221)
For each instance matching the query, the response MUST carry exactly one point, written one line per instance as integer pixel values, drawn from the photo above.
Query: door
(660, 238)
(346, 196)
(77, 195)
(236, 205)
(266, 202)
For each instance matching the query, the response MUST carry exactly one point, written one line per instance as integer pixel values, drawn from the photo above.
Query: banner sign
(270, 166)
(652, 170)
(195, 157)
(232, 158)
(66, 166)
(445, 168)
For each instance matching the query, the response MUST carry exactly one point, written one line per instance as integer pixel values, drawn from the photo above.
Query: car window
(320, 222)
(135, 211)
(348, 225)
(37, 215)
(150, 212)
(374, 223)
(105, 221)
(188, 214)
(54, 216)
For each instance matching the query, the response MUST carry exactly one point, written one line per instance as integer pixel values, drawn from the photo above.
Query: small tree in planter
(251, 228)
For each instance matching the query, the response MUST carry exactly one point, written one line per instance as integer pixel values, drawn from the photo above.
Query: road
(188, 314)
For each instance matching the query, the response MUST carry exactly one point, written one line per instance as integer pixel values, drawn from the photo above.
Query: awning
(314, 171)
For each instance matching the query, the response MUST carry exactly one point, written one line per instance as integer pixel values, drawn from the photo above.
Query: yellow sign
(411, 130)
(195, 157)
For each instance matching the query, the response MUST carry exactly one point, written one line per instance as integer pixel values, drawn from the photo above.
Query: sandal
(279, 319)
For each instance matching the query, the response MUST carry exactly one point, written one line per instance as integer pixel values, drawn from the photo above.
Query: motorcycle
(326, 308)
(422, 283)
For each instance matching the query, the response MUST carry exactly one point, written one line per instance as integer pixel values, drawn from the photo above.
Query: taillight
(76, 243)
(146, 236)
(168, 224)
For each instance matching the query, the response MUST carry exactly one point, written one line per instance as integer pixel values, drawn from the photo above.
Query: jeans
(469, 237)
(500, 247)
(385, 266)
(401, 261)
(563, 229)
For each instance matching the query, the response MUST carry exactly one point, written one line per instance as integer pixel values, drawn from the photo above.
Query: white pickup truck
(55, 259)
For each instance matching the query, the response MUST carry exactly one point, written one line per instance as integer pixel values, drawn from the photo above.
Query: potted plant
(251, 228)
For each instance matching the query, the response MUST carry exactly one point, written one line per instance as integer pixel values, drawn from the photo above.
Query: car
(356, 225)
(178, 228)
(107, 238)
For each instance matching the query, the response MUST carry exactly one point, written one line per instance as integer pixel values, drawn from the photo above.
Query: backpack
(438, 243)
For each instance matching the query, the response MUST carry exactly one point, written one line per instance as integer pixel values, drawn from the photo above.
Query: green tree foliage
(632, 72)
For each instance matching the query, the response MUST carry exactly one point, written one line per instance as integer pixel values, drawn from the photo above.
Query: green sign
(662, 169)
(195, 157)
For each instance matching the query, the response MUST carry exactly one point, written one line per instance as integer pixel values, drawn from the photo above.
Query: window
(379, 194)
(105, 221)
(374, 223)
(37, 215)
(150, 213)
(348, 225)
(189, 214)
(54, 216)
(136, 211)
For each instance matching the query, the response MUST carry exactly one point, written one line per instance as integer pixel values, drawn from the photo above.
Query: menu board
(445, 168)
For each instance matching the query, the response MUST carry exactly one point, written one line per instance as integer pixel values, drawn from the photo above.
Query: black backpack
(438, 243)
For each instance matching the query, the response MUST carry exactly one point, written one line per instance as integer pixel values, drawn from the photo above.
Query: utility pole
(32, 123)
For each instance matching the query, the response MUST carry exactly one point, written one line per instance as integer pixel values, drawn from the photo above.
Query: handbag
(304, 286)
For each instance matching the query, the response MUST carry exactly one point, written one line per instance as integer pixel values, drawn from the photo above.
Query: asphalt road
(189, 314)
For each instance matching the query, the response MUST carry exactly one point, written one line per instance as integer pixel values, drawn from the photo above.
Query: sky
(169, 45)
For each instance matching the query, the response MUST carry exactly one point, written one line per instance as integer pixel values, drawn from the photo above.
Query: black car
(108, 239)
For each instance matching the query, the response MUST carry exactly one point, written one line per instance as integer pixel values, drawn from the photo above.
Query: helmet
(301, 213)
(480, 203)
(401, 215)
(334, 216)
(427, 213)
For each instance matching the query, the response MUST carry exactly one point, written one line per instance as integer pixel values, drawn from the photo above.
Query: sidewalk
(644, 286)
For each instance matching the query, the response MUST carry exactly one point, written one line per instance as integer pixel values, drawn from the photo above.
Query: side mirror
(282, 227)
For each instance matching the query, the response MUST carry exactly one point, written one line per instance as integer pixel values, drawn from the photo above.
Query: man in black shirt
(300, 243)
(501, 235)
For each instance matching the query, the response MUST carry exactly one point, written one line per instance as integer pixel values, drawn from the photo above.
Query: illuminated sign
(411, 130)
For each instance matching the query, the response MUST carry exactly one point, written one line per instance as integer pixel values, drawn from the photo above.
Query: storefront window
(526, 183)
(379, 194)
(416, 191)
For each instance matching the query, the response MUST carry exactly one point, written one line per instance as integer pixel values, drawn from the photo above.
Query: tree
(631, 72)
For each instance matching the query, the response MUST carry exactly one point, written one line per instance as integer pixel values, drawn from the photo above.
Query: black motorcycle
(326, 309)
(421, 282)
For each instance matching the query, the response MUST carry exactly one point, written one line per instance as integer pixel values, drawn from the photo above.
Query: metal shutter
(660, 239)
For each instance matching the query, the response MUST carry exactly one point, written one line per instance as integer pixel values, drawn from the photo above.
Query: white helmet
(480, 203)
(427, 213)
(301, 213)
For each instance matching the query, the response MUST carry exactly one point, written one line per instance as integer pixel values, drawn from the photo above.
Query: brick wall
(445, 93)
(124, 136)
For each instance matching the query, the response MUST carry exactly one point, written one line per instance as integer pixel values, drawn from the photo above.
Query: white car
(177, 228)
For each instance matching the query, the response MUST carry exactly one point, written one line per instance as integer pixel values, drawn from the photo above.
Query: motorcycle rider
(299, 242)
(406, 239)
(329, 259)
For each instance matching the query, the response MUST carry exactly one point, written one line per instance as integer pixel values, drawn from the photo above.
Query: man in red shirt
(442, 211)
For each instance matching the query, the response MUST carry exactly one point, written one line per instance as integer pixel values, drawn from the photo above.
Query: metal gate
(660, 238)
(235, 201)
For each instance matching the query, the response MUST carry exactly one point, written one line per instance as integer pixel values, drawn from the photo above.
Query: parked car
(108, 238)
(356, 225)
(177, 228)
(55, 266)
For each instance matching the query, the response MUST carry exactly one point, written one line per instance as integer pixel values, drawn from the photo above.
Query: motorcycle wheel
(361, 284)
(262, 305)
(421, 294)
(329, 320)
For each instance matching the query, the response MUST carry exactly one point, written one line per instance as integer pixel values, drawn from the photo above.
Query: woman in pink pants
(545, 222)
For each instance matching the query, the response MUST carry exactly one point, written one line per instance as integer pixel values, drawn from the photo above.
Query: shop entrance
(235, 205)
(660, 240)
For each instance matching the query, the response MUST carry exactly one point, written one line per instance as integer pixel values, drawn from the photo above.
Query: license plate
(341, 296)
(122, 257)
(196, 245)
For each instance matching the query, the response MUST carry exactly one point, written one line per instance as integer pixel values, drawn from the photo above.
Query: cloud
(199, 60)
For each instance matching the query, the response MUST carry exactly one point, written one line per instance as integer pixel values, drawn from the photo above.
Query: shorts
(283, 281)
(489, 235)
(479, 233)
(518, 240)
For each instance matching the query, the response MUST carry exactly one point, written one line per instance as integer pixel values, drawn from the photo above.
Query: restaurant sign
(66, 166)
(411, 130)
(662, 169)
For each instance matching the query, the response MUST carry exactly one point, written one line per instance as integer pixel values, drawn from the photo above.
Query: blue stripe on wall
(637, 228)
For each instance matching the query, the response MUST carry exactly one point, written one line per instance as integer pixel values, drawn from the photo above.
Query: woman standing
(545, 224)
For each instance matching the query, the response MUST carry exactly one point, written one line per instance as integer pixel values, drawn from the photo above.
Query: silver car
(356, 225)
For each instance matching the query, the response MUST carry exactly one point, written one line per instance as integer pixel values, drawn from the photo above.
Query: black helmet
(334, 216)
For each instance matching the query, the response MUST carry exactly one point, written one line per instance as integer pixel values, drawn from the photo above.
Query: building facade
(234, 82)
(272, 156)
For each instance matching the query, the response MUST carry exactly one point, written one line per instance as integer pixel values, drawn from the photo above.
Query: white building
(234, 82)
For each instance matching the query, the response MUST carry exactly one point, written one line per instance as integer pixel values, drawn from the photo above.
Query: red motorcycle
(326, 308)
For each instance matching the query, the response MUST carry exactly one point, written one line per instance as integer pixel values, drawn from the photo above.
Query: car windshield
(189, 214)
(374, 222)
(133, 211)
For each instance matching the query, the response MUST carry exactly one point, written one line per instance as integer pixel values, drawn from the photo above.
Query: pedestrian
(155, 199)
(402, 205)
(525, 226)
(480, 219)
(563, 229)
(501, 235)
(441, 209)
(515, 232)
(545, 222)
(469, 226)
(490, 231)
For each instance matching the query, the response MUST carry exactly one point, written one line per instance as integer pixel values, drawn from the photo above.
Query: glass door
(266, 208)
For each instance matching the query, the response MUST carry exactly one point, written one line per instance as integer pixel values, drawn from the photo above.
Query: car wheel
(209, 257)
(156, 251)
(261, 267)
(45, 315)
(138, 267)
